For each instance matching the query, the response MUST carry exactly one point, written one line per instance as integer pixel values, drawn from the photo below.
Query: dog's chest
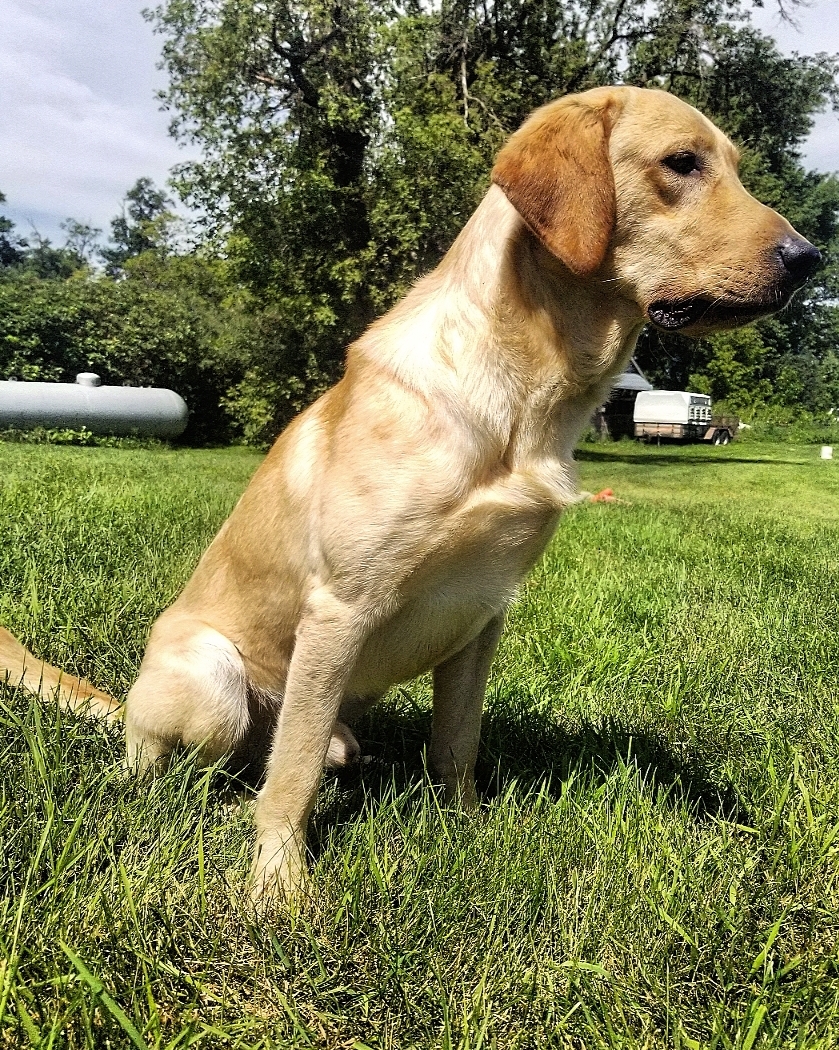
(468, 574)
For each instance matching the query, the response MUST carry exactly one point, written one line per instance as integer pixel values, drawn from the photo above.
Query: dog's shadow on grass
(527, 751)
(593, 455)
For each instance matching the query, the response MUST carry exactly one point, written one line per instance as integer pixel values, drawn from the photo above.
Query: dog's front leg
(328, 640)
(459, 686)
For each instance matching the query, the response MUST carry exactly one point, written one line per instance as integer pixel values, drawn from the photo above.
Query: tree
(344, 144)
(38, 256)
(130, 332)
(42, 259)
(11, 247)
(82, 239)
(143, 226)
(284, 100)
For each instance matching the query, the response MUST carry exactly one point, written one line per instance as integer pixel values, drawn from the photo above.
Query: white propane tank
(147, 411)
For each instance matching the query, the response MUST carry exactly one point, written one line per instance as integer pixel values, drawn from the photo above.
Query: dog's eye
(683, 163)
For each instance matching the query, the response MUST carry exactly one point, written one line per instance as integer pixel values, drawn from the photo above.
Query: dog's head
(634, 187)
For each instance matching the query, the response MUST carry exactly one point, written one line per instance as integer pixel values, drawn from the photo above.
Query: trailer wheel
(722, 437)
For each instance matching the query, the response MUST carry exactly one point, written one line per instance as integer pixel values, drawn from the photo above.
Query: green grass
(656, 860)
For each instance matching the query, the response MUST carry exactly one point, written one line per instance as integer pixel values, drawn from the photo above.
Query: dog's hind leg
(192, 691)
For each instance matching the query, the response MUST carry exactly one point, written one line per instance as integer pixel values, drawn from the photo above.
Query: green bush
(129, 331)
(82, 438)
(792, 425)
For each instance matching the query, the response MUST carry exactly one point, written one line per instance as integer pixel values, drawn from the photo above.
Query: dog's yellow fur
(393, 521)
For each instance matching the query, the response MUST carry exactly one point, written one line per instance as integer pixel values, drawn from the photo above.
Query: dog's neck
(503, 332)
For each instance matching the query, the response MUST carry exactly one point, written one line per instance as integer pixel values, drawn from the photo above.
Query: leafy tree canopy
(343, 146)
(345, 143)
(11, 247)
(159, 319)
(36, 256)
(144, 225)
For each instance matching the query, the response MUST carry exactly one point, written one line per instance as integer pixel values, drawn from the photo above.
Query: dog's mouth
(673, 315)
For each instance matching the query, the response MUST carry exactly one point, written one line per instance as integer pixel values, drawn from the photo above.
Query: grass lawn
(656, 860)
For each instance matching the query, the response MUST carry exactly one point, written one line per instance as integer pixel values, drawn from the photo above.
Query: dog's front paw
(278, 873)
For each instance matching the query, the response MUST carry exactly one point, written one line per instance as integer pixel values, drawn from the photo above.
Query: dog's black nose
(799, 257)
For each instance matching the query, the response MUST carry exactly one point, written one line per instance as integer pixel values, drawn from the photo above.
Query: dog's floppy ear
(555, 171)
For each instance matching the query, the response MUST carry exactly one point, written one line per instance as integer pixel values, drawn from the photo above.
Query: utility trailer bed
(679, 415)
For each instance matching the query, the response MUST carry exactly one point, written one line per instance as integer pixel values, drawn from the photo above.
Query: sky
(79, 121)
(817, 30)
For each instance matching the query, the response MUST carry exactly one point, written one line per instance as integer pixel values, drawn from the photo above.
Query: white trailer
(680, 415)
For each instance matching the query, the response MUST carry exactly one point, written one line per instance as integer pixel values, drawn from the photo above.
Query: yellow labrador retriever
(393, 521)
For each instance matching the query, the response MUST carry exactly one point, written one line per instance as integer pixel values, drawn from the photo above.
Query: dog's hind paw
(344, 750)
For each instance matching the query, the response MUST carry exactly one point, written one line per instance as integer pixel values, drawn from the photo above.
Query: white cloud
(816, 29)
(79, 122)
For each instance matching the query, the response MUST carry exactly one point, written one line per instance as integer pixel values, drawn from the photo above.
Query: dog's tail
(19, 667)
